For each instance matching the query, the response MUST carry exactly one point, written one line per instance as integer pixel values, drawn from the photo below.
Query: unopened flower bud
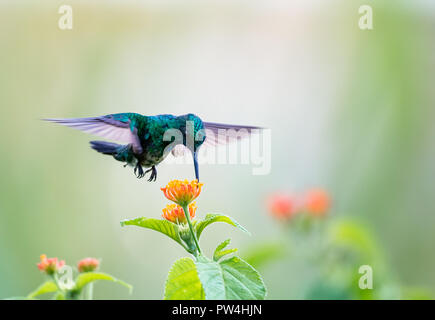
(88, 265)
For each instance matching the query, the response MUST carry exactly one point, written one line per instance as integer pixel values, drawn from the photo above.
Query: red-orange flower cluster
(88, 265)
(315, 202)
(175, 213)
(281, 205)
(49, 265)
(182, 192)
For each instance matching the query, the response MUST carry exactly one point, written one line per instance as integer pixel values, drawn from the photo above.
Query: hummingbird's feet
(153, 175)
(140, 173)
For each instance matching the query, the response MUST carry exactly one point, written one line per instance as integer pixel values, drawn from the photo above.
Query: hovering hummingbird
(146, 137)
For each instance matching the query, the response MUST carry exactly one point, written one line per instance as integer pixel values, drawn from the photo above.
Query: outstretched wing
(220, 133)
(108, 127)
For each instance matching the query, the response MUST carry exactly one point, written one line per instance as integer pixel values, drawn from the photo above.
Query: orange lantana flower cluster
(175, 213)
(182, 192)
(49, 265)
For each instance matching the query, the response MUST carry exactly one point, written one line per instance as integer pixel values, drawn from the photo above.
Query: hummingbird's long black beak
(195, 163)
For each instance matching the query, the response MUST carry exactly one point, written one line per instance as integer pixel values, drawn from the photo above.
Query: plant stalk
(89, 291)
(192, 231)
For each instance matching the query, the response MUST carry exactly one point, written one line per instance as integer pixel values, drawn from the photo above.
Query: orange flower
(49, 265)
(175, 213)
(88, 265)
(281, 206)
(317, 202)
(182, 192)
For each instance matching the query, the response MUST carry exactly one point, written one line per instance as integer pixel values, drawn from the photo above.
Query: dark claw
(140, 174)
(153, 175)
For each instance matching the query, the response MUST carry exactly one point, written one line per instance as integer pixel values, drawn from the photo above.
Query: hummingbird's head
(193, 131)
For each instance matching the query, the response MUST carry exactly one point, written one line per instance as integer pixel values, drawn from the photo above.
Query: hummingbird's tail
(106, 147)
(123, 153)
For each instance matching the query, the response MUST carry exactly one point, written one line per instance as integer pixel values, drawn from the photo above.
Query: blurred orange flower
(88, 265)
(182, 192)
(49, 265)
(281, 206)
(317, 202)
(175, 213)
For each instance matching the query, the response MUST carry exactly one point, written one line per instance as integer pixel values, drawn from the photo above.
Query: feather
(219, 133)
(106, 127)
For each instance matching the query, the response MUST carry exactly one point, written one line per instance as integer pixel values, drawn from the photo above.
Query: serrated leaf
(222, 245)
(183, 282)
(46, 287)
(219, 252)
(210, 218)
(163, 226)
(85, 278)
(230, 279)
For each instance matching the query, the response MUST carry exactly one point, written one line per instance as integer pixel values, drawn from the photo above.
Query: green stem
(192, 231)
(56, 281)
(184, 246)
(89, 291)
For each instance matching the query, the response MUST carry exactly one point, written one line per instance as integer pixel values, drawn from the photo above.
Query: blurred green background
(350, 111)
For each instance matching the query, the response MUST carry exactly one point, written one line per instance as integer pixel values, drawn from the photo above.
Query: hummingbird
(147, 140)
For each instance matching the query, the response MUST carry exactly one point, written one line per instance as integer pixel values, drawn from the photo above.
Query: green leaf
(183, 282)
(87, 277)
(230, 279)
(355, 237)
(46, 287)
(59, 296)
(219, 252)
(264, 253)
(166, 227)
(210, 218)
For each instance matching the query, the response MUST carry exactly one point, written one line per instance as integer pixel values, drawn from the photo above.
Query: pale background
(350, 110)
